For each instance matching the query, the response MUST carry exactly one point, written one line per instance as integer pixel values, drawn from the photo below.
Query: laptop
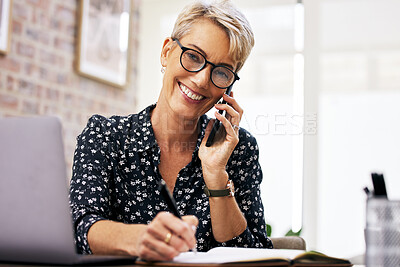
(35, 218)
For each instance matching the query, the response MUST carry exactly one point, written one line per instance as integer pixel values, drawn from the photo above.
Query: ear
(166, 49)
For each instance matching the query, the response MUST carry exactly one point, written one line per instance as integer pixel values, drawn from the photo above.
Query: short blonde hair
(225, 15)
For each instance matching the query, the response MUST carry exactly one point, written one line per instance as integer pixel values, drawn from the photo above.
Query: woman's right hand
(167, 236)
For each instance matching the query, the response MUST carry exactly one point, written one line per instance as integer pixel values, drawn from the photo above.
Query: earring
(162, 70)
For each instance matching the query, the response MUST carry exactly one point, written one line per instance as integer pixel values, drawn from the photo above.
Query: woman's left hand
(215, 157)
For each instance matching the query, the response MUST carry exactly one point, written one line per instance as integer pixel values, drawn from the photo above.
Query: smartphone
(217, 123)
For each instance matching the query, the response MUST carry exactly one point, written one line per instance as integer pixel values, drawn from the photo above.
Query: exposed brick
(85, 103)
(30, 107)
(41, 17)
(20, 11)
(67, 115)
(65, 14)
(30, 69)
(47, 57)
(78, 118)
(51, 109)
(25, 50)
(61, 62)
(43, 73)
(27, 88)
(16, 27)
(69, 100)
(62, 78)
(38, 35)
(37, 75)
(47, 75)
(9, 63)
(71, 30)
(64, 45)
(39, 3)
(52, 94)
(8, 101)
(40, 91)
(10, 83)
(55, 24)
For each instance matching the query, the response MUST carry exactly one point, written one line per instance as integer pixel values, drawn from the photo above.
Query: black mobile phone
(217, 123)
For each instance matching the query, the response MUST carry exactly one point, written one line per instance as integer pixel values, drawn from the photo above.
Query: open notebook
(253, 257)
(35, 219)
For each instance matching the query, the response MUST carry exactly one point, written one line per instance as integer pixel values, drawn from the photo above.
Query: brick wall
(37, 76)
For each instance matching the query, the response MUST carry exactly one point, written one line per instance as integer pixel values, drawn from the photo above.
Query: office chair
(289, 242)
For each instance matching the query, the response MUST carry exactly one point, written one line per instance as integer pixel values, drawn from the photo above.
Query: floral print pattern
(116, 176)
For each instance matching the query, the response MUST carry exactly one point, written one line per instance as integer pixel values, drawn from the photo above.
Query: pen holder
(382, 233)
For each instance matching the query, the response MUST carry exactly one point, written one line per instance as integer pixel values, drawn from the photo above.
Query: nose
(203, 77)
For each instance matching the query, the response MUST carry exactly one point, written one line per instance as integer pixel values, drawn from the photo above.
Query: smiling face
(191, 94)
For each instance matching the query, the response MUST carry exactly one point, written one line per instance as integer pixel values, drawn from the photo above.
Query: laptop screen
(35, 221)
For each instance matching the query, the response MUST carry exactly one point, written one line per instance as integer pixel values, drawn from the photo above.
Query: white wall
(359, 115)
(359, 134)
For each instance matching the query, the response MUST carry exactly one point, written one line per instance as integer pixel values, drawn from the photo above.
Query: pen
(170, 201)
(378, 182)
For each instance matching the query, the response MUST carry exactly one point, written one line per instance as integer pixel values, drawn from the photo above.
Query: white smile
(189, 93)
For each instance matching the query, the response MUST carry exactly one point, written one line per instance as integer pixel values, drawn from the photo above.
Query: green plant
(289, 233)
(269, 229)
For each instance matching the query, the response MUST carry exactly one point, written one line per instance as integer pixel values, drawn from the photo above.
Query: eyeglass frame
(184, 49)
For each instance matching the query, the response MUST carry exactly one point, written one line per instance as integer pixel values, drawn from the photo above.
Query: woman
(119, 161)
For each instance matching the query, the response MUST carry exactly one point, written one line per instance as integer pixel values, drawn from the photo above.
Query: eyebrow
(205, 54)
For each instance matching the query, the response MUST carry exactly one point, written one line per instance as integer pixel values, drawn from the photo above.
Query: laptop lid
(35, 218)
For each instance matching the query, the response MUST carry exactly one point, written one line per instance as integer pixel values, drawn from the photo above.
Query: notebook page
(231, 254)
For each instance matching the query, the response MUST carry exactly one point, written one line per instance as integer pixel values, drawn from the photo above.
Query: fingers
(233, 110)
(232, 133)
(233, 103)
(182, 231)
(233, 119)
(155, 249)
(167, 236)
(192, 220)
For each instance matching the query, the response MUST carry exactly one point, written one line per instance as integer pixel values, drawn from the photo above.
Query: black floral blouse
(115, 177)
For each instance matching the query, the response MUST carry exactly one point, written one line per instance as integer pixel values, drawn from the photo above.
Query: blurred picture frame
(5, 25)
(103, 45)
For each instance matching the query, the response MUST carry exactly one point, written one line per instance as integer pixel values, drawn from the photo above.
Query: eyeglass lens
(194, 61)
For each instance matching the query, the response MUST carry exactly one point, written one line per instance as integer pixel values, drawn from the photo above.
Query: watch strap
(228, 191)
(216, 193)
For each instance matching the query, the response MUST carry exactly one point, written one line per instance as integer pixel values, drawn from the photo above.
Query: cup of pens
(382, 232)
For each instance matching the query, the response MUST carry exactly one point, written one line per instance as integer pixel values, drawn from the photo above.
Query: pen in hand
(170, 201)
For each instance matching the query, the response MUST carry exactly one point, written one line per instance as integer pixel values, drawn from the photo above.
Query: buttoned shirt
(116, 177)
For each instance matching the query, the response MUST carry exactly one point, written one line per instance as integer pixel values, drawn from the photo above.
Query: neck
(172, 131)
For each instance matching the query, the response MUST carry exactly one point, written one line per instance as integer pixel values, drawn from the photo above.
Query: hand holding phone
(217, 123)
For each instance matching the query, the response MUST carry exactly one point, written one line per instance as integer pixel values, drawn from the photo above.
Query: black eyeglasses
(193, 61)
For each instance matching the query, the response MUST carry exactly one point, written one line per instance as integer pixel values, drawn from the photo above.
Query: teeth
(190, 94)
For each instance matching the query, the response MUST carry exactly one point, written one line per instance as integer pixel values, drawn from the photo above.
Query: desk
(231, 256)
(139, 265)
(127, 265)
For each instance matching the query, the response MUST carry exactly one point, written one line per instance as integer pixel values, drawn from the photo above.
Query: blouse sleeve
(245, 171)
(89, 187)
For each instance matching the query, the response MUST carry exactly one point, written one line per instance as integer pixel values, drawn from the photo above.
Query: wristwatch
(228, 191)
